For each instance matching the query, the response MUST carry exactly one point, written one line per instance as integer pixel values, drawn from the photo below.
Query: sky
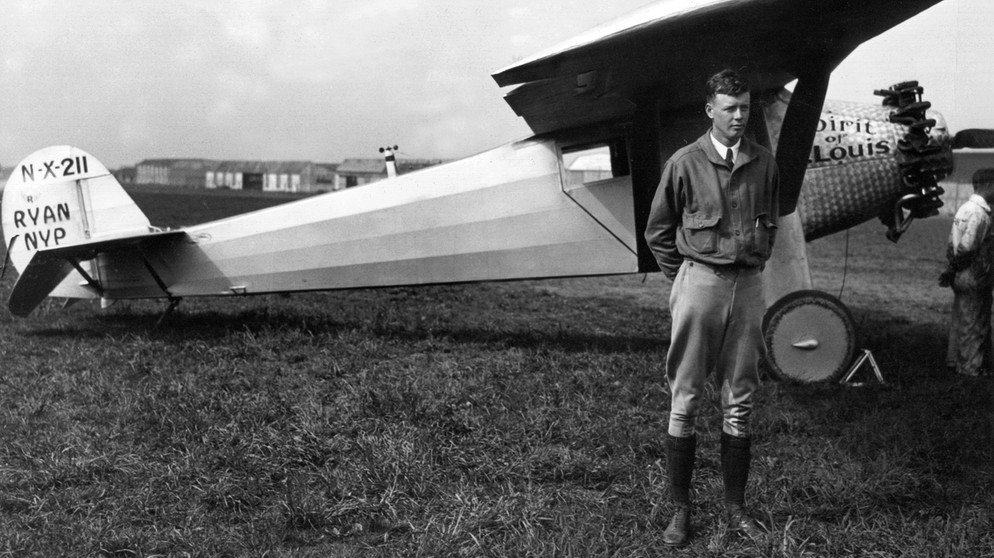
(326, 80)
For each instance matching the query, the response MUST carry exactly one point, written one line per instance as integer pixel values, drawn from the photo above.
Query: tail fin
(60, 196)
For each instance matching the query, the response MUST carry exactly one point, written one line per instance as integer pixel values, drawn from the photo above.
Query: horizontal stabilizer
(48, 268)
(40, 278)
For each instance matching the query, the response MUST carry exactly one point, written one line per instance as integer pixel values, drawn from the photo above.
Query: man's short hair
(726, 82)
(983, 183)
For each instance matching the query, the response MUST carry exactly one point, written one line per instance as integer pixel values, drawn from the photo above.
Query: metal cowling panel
(852, 170)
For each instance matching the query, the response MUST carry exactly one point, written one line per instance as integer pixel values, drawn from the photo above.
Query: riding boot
(735, 458)
(680, 466)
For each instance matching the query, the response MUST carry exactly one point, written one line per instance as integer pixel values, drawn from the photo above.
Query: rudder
(60, 196)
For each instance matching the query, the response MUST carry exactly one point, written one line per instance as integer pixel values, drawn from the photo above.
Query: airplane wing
(668, 49)
(48, 268)
(662, 54)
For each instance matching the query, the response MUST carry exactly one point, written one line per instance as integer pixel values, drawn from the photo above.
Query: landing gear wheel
(810, 337)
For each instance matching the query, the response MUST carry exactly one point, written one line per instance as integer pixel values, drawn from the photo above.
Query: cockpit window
(594, 162)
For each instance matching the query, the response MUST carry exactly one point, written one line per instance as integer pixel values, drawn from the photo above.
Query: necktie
(729, 160)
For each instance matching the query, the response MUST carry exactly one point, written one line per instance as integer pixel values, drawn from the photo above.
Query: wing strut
(797, 135)
(646, 167)
(173, 300)
(155, 275)
(6, 256)
(94, 284)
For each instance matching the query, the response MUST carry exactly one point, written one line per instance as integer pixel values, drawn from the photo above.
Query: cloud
(381, 9)
(313, 79)
(519, 12)
(521, 40)
(251, 30)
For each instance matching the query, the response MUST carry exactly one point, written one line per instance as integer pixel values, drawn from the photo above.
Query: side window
(594, 162)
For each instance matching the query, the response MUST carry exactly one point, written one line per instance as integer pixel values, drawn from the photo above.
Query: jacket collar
(747, 150)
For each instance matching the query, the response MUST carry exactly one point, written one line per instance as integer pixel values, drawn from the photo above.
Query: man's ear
(709, 110)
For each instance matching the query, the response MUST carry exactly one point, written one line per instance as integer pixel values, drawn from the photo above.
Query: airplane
(628, 93)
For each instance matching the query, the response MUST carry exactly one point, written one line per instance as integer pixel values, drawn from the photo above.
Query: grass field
(497, 419)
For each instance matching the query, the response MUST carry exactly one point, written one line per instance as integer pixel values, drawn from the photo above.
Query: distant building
(187, 173)
(125, 175)
(232, 176)
(324, 176)
(356, 172)
(590, 167)
(269, 176)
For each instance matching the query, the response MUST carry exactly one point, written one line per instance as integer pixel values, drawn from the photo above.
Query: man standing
(711, 229)
(969, 274)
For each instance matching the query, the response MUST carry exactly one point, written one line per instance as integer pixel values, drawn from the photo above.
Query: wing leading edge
(666, 50)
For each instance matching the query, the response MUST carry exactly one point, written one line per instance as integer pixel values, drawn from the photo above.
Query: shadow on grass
(412, 319)
(919, 445)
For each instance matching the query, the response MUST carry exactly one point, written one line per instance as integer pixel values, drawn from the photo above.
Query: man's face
(729, 116)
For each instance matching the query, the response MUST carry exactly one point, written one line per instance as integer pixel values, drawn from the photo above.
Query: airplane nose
(925, 155)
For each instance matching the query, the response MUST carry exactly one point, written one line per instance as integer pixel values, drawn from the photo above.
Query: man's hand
(946, 277)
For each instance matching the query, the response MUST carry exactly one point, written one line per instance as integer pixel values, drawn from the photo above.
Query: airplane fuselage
(548, 206)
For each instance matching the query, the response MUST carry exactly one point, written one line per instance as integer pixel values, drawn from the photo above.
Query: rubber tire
(809, 314)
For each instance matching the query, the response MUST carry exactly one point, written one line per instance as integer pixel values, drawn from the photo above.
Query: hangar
(356, 172)
(188, 173)
(268, 176)
(271, 176)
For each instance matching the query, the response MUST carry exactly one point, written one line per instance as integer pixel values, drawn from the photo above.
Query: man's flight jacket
(709, 213)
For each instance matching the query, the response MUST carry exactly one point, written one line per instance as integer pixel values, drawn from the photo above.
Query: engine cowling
(875, 161)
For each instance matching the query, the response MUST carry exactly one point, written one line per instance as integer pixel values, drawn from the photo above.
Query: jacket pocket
(701, 232)
(766, 230)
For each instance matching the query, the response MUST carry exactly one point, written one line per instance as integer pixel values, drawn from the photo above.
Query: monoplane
(626, 94)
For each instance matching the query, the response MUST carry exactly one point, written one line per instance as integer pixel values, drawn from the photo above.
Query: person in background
(970, 252)
(711, 229)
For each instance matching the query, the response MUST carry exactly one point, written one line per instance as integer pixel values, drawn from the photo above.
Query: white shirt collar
(979, 200)
(722, 148)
